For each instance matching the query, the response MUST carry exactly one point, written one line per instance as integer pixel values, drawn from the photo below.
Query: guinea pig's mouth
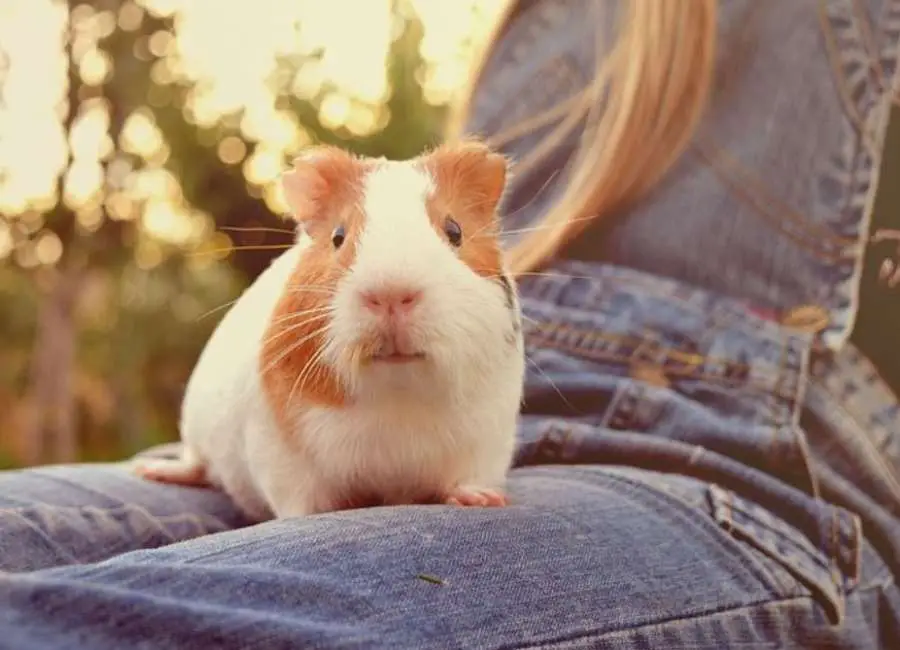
(398, 357)
(393, 347)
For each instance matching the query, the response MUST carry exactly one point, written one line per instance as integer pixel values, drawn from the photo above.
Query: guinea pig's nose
(391, 300)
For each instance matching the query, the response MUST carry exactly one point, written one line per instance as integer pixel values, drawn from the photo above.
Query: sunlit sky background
(230, 45)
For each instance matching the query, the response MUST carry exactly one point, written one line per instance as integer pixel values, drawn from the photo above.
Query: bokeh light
(227, 75)
(144, 196)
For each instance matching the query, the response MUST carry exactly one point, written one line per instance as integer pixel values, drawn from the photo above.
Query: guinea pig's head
(402, 276)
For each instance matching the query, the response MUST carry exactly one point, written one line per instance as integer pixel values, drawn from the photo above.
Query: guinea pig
(379, 360)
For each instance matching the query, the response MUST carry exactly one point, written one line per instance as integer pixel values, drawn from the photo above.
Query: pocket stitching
(547, 334)
(711, 530)
(819, 580)
(819, 559)
(805, 581)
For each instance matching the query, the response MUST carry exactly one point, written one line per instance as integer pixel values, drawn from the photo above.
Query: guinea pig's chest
(389, 454)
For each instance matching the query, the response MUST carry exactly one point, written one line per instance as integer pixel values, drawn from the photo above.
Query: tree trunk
(52, 435)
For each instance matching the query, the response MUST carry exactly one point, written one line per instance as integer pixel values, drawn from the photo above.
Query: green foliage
(137, 330)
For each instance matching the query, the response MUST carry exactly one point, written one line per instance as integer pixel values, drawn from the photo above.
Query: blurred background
(140, 141)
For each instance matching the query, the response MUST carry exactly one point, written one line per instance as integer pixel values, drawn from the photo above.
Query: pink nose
(392, 300)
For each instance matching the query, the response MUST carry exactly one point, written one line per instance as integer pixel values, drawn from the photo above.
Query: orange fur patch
(469, 182)
(324, 191)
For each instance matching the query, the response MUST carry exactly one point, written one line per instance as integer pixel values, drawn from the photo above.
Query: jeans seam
(710, 529)
(872, 113)
(793, 404)
(831, 553)
(186, 516)
(821, 562)
(141, 542)
(887, 12)
(683, 304)
(798, 230)
(835, 54)
(598, 636)
(561, 278)
(867, 442)
(882, 582)
(553, 328)
(775, 419)
(870, 41)
(546, 337)
(47, 473)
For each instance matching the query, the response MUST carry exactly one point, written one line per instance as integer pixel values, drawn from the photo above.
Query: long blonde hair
(640, 111)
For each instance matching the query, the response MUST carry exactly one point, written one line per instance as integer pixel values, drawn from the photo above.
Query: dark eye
(453, 232)
(337, 237)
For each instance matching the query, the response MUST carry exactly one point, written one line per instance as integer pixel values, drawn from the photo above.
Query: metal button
(651, 374)
(808, 318)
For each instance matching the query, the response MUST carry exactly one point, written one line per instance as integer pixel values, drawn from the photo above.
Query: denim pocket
(786, 554)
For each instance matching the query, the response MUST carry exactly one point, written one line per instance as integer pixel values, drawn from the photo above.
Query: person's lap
(58, 515)
(586, 556)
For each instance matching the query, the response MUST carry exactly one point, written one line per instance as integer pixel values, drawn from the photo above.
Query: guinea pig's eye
(453, 232)
(337, 237)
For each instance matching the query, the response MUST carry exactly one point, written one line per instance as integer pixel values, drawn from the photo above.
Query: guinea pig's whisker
(476, 205)
(542, 274)
(260, 247)
(293, 347)
(519, 231)
(257, 229)
(530, 201)
(318, 311)
(311, 286)
(293, 327)
(551, 382)
(537, 194)
(306, 373)
(312, 310)
(290, 349)
(311, 289)
(549, 274)
(219, 308)
(300, 381)
(294, 343)
(485, 230)
(293, 330)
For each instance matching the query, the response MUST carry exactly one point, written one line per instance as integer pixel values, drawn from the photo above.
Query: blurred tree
(102, 319)
(105, 319)
(220, 189)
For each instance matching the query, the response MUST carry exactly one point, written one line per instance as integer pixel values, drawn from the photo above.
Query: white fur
(409, 429)
(224, 408)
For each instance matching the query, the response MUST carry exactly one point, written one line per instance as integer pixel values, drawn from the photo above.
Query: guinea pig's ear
(317, 177)
(470, 170)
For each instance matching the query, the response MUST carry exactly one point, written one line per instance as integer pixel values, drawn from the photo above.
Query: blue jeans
(588, 557)
(679, 516)
(693, 470)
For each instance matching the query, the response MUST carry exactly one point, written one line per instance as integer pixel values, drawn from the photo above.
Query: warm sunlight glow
(32, 143)
(6, 241)
(229, 51)
(451, 31)
(140, 135)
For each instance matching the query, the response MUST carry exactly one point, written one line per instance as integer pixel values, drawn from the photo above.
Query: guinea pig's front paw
(472, 495)
(176, 471)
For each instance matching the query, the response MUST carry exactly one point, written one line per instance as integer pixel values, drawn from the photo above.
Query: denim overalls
(705, 461)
